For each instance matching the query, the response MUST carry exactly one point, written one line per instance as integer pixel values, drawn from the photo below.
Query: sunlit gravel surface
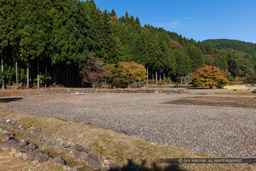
(224, 131)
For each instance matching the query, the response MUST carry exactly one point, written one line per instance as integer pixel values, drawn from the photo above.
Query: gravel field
(225, 131)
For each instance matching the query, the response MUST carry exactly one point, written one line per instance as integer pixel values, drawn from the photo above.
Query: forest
(221, 44)
(48, 42)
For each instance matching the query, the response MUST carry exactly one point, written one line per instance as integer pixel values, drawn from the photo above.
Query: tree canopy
(208, 75)
(52, 39)
(125, 73)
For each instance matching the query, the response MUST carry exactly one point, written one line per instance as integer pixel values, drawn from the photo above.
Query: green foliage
(222, 44)
(251, 78)
(113, 76)
(183, 62)
(9, 75)
(43, 80)
(240, 56)
(220, 61)
(113, 13)
(230, 78)
(22, 75)
(2, 75)
(196, 57)
(53, 38)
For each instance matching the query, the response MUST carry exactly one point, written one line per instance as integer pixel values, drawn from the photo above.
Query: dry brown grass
(8, 162)
(228, 101)
(27, 92)
(223, 92)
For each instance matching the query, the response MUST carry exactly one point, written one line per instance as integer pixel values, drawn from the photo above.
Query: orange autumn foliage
(125, 73)
(133, 71)
(208, 75)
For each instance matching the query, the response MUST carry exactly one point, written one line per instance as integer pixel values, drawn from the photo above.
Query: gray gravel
(225, 131)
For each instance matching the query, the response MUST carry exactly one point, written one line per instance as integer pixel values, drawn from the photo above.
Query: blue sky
(197, 19)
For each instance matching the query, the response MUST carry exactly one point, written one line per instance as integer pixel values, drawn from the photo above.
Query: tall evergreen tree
(8, 39)
(196, 57)
(113, 13)
(183, 62)
(137, 21)
(53, 39)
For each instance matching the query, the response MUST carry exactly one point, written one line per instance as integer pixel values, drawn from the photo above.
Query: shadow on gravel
(11, 99)
(131, 166)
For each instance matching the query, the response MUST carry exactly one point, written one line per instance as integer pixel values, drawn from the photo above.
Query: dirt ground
(240, 102)
(10, 163)
(226, 129)
(219, 125)
(113, 146)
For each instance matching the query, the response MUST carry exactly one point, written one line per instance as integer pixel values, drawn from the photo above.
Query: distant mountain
(238, 45)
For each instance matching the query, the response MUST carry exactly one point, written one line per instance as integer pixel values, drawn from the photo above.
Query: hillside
(50, 46)
(55, 42)
(238, 45)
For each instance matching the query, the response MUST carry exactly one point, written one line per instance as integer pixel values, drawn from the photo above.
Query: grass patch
(41, 123)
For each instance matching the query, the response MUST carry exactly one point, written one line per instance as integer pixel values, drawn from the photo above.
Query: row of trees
(50, 42)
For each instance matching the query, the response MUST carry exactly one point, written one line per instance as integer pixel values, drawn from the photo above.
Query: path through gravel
(225, 131)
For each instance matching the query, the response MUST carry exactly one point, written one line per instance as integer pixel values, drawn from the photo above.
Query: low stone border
(76, 151)
(28, 150)
(29, 92)
(167, 91)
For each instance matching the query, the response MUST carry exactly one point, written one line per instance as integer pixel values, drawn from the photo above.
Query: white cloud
(174, 24)
(188, 21)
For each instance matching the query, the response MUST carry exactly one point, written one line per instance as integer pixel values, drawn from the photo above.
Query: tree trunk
(66, 79)
(46, 73)
(54, 76)
(73, 78)
(156, 78)
(27, 76)
(2, 68)
(78, 80)
(16, 69)
(185, 80)
(38, 76)
(147, 76)
(70, 77)
(180, 79)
